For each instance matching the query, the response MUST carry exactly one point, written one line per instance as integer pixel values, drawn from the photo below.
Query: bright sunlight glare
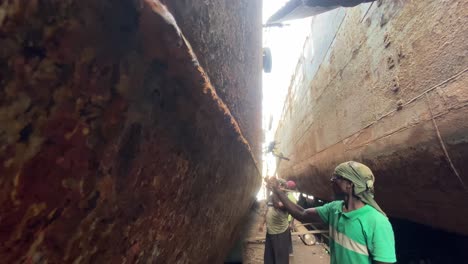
(286, 44)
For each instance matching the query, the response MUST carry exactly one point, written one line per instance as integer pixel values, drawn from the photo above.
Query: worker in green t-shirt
(360, 232)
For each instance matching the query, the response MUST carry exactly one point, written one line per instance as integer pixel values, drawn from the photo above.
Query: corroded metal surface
(391, 92)
(227, 38)
(115, 147)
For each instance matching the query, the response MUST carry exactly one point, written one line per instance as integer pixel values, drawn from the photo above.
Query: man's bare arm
(295, 210)
(298, 207)
(276, 202)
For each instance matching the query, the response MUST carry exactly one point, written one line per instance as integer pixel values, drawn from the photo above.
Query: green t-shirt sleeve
(382, 247)
(325, 210)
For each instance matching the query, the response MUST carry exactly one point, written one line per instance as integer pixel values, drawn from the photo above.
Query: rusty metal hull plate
(115, 147)
(386, 85)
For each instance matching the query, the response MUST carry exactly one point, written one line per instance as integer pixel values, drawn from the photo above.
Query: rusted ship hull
(115, 147)
(386, 84)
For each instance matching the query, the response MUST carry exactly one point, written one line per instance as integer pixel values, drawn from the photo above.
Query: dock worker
(278, 235)
(360, 232)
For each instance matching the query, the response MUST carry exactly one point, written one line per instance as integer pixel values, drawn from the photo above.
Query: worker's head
(291, 185)
(354, 178)
(342, 187)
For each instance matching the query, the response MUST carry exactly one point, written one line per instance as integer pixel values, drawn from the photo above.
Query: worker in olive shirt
(359, 230)
(278, 236)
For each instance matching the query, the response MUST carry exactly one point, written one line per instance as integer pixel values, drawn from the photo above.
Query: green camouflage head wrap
(362, 178)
